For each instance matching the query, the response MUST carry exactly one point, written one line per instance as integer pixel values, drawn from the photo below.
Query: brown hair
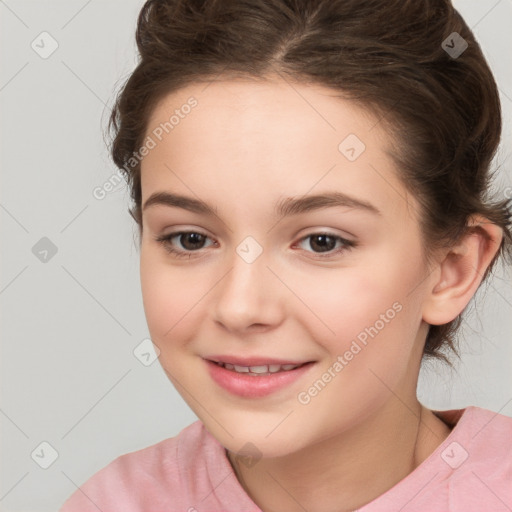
(391, 56)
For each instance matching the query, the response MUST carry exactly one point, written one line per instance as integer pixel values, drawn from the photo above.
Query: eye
(322, 243)
(190, 241)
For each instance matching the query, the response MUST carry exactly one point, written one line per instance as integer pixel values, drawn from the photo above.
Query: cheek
(172, 298)
(345, 302)
(375, 326)
(369, 305)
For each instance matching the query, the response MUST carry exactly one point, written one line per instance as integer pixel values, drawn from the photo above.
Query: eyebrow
(285, 207)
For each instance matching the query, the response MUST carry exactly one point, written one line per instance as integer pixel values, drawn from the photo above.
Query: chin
(253, 437)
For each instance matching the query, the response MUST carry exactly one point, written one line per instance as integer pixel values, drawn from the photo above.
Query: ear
(460, 270)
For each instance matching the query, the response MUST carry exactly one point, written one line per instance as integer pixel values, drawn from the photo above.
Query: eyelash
(166, 239)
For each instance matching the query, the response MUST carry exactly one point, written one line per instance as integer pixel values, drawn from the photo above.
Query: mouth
(256, 377)
(261, 369)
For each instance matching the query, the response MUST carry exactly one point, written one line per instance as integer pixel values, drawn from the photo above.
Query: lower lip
(249, 386)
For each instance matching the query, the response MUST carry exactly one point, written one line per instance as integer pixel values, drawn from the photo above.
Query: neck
(344, 472)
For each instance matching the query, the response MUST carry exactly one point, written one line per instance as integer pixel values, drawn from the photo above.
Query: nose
(249, 297)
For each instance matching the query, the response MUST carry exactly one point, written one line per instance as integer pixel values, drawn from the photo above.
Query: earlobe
(461, 270)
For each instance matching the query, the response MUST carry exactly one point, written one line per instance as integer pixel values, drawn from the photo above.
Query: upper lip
(252, 361)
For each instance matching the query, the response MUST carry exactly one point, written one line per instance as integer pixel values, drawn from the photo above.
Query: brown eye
(191, 241)
(184, 243)
(326, 244)
(322, 243)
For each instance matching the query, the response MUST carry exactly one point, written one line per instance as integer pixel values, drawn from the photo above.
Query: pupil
(323, 242)
(193, 238)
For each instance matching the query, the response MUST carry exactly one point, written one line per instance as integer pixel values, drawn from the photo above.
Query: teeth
(263, 369)
(259, 369)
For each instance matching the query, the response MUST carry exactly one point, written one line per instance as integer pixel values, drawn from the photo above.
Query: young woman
(310, 180)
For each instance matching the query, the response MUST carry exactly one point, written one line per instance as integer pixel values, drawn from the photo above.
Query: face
(282, 267)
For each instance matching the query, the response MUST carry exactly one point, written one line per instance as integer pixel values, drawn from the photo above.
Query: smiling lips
(254, 378)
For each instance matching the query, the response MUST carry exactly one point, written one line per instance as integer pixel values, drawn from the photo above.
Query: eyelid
(346, 244)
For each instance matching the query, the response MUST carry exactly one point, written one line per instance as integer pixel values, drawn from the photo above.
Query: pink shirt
(470, 471)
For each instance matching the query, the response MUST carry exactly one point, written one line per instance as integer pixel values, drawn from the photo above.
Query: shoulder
(485, 428)
(479, 436)
(470, 471)
(479, 453)
(151, 476)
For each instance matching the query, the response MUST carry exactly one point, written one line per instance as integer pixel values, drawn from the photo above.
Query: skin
(245, 147)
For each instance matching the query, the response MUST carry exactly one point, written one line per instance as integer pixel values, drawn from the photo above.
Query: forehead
(273, 138)
(248, 106)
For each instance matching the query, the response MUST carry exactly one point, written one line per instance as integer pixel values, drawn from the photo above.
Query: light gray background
(70, 325)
